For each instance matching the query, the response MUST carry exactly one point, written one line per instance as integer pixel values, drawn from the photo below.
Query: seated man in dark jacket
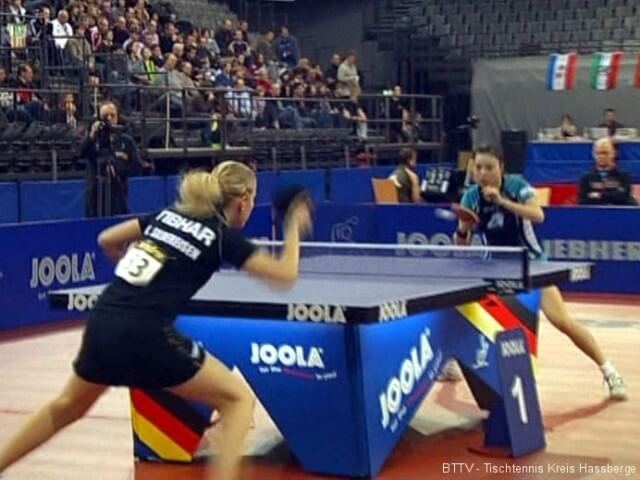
(605, 184)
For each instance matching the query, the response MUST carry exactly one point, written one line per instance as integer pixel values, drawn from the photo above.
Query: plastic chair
(384, 190)
(543, 195)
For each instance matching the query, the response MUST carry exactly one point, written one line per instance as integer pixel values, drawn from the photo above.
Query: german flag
(495, 314)
(166, 426)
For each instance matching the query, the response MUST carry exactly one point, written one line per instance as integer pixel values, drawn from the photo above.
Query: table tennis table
(342, 360)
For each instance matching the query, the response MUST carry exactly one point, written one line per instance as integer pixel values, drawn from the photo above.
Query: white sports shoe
(450, 372)
(617, 387)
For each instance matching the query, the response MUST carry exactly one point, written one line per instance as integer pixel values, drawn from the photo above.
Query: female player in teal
(506, 207)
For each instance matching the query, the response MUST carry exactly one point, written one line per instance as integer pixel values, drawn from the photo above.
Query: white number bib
(140, 264)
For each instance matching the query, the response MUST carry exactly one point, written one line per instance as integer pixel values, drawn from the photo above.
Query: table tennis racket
(285, 195)
(464, 214)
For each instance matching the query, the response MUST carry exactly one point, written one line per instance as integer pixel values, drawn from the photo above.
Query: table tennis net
(410, 261)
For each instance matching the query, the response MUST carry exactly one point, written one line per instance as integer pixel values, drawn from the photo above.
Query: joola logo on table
(580, 273)
(392, 310)
(76, 267)
(286, 355)
(301, 312)
(512, 348)
(402, 385)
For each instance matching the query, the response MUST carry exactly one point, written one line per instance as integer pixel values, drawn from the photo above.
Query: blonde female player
(130, 339)
(505, 207)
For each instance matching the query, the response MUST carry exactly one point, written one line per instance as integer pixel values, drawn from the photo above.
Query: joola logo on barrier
(392, 310)
(512, 348)
(301, 312)
(79, 302)
(65, 269)
(286, 355)
(402, 385)
(418, 238)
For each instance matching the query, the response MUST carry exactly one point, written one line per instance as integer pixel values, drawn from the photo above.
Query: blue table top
(341, 297)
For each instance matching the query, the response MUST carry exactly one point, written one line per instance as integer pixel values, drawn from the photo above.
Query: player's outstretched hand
(293, 204)
(299, 215)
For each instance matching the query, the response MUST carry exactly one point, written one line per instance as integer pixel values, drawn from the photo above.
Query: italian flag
(561, 73)
(605, 70)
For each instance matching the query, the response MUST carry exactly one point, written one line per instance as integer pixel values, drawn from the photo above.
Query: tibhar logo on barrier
(512, 348)
(575, 249)
(343, 232)
(301, 312)
(64, 269)
(402, 385)
(481, 353)
(392, 310)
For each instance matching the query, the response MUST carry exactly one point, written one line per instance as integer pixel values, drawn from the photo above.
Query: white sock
(607, 368)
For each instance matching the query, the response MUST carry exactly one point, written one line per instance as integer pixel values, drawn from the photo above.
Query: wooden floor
(583, 431)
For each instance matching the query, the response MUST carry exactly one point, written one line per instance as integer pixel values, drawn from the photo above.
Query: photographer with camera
(112, 157)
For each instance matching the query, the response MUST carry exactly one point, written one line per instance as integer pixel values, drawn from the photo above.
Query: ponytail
(202, 193)
(199, 194)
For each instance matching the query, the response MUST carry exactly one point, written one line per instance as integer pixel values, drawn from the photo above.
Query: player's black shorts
(121, 348)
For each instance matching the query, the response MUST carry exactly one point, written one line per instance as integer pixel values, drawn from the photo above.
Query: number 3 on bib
(140, 264)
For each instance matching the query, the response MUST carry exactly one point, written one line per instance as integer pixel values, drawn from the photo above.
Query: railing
(36, 132)
(175, 126)
(171, 111)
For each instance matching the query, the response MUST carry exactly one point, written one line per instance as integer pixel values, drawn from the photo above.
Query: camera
(104, 132)
(103, 135)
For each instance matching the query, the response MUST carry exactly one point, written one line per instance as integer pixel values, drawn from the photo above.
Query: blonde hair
(202, 193)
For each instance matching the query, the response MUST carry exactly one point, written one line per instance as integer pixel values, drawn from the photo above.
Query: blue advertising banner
(608, 237)
(259, 224)
(9, 202)
(43, 201)
(560, 162)
(147, 194)
(51, 255)
(47, 256)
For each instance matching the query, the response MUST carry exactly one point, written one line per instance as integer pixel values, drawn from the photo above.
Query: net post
(526, 273)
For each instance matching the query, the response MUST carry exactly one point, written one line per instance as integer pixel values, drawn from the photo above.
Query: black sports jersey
(174, 259)
(499, 226)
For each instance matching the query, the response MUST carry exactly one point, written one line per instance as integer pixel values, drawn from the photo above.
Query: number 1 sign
(515, 421)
